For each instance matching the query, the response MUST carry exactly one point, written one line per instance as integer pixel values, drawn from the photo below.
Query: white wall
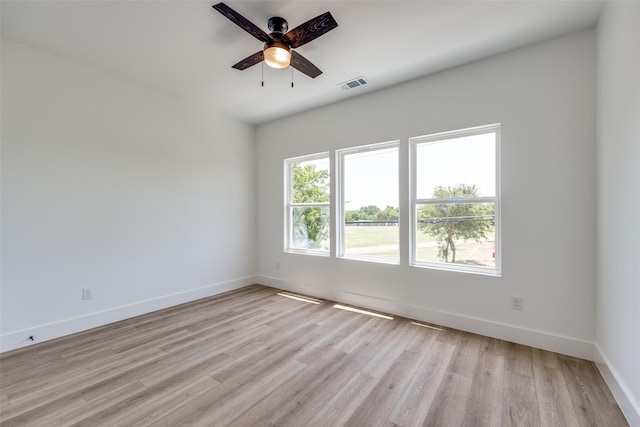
(544, 96)
(113, 186)
(618, 150)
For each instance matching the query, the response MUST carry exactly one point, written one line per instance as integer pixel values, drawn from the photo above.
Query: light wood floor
(254, 358)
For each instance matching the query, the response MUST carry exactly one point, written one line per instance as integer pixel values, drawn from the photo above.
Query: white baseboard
(17, 339)
(546, 341)
(628, 404)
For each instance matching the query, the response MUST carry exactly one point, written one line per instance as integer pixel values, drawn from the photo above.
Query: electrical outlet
(87, 294)
(516, 303)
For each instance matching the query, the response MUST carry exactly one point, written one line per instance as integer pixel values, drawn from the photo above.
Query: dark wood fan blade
(242, 22)
(310, 30)
(249, 61)
(303, 65)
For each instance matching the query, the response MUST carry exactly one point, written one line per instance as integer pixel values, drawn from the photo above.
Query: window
(308, 203)
(455, 200)
(368, 203)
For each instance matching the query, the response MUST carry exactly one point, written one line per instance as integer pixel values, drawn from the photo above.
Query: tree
(452, 221)
(310, 185)
(369, 212)
(388, 214)
(350, 216)
(372, 213)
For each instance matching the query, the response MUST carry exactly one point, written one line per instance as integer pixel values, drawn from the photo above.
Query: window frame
(289, 205)
(415, 202)
(340, 202)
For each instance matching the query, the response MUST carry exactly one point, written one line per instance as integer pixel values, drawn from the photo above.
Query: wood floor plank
(212, 336)
(592, 407)
(99, 404)
(165, 403)
(483, 409)
(520, 401)
(545, 358)
(393, 343)
(46, 413)
(555, 406)
(16, 377)
(45, 391)
(289, 394)
(519, 359)
(422, 342)
(329, 337)
(416, 401)
(268, 353)
(126, 409)
(448, 407)
(521, 414)
(253, 357)
(221, 405)
(340, 407)
(325, 377)
(377, 407)
(465, 360)
(364, 332)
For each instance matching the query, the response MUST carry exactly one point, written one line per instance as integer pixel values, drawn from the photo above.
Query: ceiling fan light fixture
(277, 55)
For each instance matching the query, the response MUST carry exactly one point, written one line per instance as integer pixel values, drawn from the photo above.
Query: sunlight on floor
(300, 298)
(428, 326)
(357, 310)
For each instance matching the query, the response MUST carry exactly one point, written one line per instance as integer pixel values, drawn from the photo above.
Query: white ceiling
(186, 48)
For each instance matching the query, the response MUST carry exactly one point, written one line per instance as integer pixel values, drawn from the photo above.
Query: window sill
(307, 252)
(484, 271)
(378, 260)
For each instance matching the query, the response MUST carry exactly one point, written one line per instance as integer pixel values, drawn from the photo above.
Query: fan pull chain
(262, 73)
(291, 76)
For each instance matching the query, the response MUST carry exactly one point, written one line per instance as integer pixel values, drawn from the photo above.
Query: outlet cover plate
(516, 303)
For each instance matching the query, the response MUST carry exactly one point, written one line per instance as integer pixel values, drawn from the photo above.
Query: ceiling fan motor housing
(278, 25)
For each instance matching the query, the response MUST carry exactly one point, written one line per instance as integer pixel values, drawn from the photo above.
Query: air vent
(354, 83)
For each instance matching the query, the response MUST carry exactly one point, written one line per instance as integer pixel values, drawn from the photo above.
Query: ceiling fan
(278, 46)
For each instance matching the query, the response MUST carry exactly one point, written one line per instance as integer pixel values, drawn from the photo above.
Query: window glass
(308, 204)
(310, 228)
(310, 181)
(455, 201)
(369, 202)
(461, 233)
(448, 162)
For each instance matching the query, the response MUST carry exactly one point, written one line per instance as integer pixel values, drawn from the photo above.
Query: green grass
(384, 242)
(373, 240)
(366, 236)
(430, 253)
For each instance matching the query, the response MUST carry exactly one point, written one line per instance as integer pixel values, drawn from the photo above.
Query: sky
(371, 177)
(464, 160)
